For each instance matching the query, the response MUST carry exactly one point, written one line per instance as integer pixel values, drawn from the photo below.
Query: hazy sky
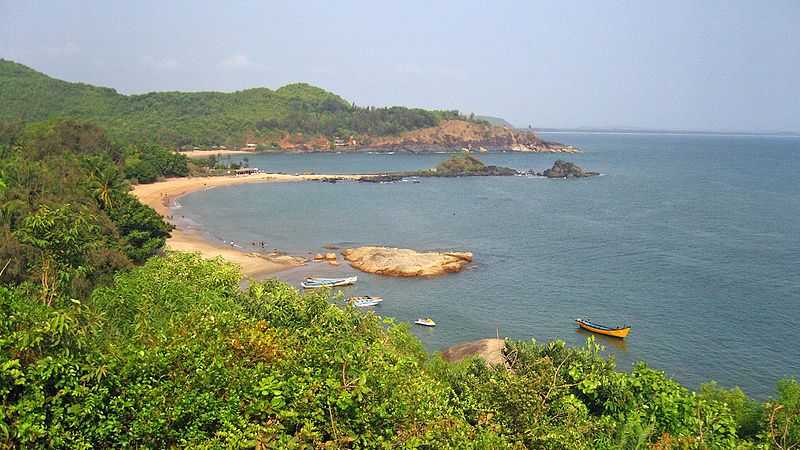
(696, 65)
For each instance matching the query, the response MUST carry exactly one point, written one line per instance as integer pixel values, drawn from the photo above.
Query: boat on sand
(618, 332)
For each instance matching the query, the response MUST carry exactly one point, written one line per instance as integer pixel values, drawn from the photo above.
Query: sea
(693, 240)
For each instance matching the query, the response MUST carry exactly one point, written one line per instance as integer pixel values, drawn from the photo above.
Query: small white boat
(323, 279)
(312, 282)
(365, 300)
(425, 322)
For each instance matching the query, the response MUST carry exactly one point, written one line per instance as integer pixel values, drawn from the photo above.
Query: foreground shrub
(175, 355)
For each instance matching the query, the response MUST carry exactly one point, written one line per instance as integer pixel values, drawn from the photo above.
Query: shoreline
(161, 196)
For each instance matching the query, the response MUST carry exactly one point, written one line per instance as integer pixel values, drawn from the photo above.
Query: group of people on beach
(257, 243)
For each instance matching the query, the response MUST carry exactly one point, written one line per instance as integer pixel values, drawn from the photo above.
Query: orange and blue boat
(619, 332)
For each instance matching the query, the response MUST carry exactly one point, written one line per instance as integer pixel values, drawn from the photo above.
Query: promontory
(294, 118)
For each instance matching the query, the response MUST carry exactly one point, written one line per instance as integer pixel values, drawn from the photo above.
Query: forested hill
(296, 113)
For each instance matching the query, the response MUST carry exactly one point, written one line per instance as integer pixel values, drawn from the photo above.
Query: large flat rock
(400, 262)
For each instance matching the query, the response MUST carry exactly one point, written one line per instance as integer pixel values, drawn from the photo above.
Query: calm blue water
(694, 240)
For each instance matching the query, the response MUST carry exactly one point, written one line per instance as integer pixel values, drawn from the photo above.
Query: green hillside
(257, 115)
(495, 121)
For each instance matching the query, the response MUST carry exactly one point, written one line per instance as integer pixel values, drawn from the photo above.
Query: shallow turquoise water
(694, 240)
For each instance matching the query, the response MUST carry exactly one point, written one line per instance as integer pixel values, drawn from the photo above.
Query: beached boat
(425, 322)
(365, 300)
(619, 332)
(312, 282)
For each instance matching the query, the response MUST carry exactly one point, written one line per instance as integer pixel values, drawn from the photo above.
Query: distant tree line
(179, 119)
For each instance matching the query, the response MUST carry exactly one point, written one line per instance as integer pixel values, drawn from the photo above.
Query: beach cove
(162, 195)
(665, 240)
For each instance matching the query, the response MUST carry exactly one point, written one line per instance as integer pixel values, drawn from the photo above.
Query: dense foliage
(296, 112)
(67, 220)
(174, 354)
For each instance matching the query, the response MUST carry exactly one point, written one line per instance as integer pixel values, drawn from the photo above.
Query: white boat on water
(365, 300)
(425, 322)
(315, 282)
(354, 279)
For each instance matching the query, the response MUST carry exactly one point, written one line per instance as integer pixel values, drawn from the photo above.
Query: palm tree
(106, 185)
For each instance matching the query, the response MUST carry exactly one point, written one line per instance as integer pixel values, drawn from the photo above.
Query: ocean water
(693, 240)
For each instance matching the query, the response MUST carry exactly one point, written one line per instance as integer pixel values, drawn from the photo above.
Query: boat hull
(312, 283)
(364, 304)
(365, 300)
(620, 332)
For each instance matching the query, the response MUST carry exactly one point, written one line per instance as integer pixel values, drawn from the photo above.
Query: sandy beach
(162, 194)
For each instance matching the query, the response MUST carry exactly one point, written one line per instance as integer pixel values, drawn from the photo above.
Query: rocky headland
(454, 135)
(399, 262)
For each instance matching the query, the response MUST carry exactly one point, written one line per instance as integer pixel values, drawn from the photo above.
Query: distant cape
(296, 117)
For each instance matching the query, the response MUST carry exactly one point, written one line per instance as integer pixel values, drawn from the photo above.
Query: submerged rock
(401, 262)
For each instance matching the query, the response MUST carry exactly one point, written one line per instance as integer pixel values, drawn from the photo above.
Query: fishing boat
(365, 300)
(425, 322)
(313, 282)
(619, 332)
(351, 280)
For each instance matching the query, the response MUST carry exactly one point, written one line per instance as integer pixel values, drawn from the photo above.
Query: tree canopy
(67, 220)
(299, 111)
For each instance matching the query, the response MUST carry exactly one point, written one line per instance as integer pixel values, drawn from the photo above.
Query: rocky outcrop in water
(457, 166)
(399, 262)
(563, 169)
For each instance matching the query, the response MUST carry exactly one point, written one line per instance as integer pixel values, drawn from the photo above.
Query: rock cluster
(563, 169)
(458, 166)
(401, 262)
(329, 257)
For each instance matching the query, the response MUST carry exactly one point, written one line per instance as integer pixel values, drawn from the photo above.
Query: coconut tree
(106, 185)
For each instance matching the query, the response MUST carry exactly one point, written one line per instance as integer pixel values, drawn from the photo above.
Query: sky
(679, 65)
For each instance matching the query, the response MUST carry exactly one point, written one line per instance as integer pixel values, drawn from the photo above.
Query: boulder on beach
(491, 350)
(399, 262)
(334, 263)
(319, 257)
(330, 256)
